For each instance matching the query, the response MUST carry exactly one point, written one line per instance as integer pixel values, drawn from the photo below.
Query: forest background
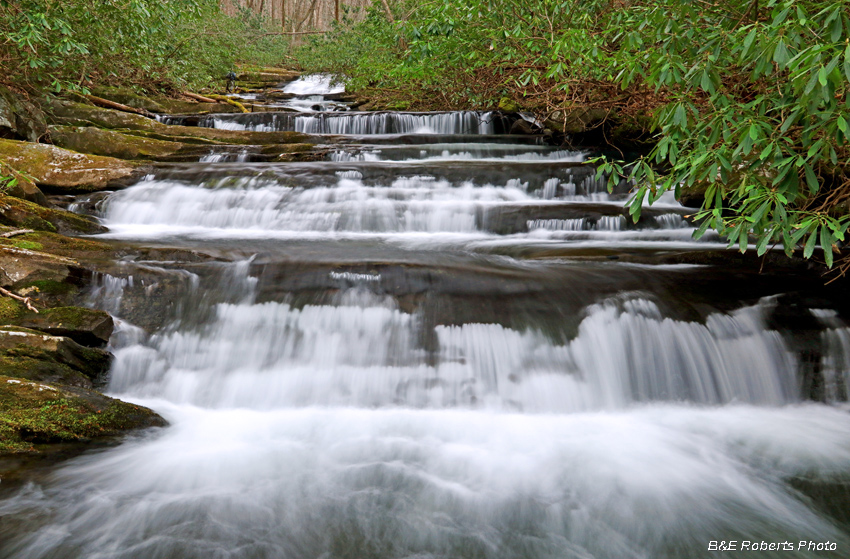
(745, 103)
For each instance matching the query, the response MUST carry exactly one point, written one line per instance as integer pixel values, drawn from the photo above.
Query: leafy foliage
(151, 43)
(751, 100)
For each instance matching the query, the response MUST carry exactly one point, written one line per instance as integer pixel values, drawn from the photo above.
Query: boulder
(508, 105)
(15, 341)
(111, 143)
(78, 114)
(20, 118)
(23, 268)
(522, 126)
(87, 327)
(27, 215)
(37, 414)
(73, 113)
(66, 171)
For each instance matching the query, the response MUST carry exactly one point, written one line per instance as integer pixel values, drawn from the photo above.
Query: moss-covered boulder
(88, 327)
(35, 415)
(77, 114)
(25, 266)
(81, 114)
(27, 215)
(508, 105)
(111, 143)
(64, 171)
(92, 362)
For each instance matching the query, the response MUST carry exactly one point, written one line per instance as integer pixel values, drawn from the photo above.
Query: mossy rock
(64, 171)
(87, 327)
(10, 310)
(63, 112)
(36, 366)
(69, 113)
(28, 215)
(92, 362)
(35, 415)
(45, 248)
(111, 143)
(509, 105)
(45, 294)
(21, 266)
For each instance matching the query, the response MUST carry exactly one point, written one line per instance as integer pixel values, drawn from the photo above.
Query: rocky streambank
(54, 354)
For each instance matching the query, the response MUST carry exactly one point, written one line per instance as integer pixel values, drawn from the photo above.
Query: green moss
(10, 309)
(50, 287)
(33, 414)
(25, 362)
(58, 245)
(38, 224)
(72, 317)
(508, 105)
(28, 245)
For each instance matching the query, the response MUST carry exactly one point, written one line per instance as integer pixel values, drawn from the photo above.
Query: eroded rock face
(65, 171)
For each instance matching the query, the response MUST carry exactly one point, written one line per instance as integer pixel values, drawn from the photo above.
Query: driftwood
(99, 101)
(200, 98)
(16, 232)
(24, 300)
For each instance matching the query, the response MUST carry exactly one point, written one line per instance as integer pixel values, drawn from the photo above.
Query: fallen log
(106, 103)
(200, 98)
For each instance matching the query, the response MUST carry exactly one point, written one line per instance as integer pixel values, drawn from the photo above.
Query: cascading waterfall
(361, 123)
(399, 365)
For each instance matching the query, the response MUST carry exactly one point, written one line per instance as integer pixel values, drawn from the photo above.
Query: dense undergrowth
(149, 44)
(750, 101)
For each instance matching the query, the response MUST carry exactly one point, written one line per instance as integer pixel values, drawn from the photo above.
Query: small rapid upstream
(445, 341)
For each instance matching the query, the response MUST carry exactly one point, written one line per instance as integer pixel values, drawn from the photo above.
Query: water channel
(444, 341)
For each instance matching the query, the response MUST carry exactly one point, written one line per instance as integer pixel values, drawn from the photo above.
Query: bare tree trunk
(388, 11)
(336, 10)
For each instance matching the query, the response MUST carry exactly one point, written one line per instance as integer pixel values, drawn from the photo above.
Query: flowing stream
(445, 342)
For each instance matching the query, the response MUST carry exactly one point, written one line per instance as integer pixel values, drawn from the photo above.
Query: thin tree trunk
(388, 11)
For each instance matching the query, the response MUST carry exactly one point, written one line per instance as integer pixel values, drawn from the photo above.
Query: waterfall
(430, 347)
(468, 122)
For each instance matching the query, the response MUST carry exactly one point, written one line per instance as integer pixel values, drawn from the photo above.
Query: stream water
(445, 342)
